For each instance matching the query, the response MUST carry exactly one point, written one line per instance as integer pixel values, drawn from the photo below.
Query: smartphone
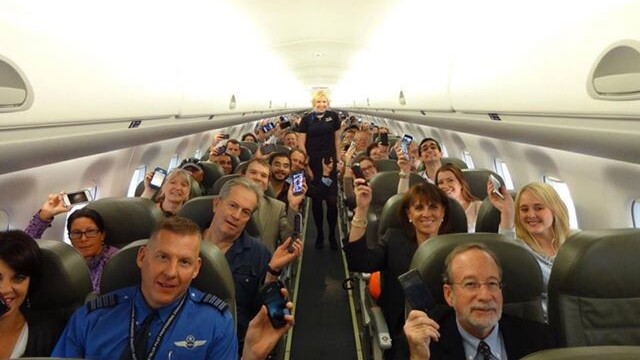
(225, 136)
(416, 292)
(346, 147)
(297, 231)
(268, 127)
(496, 186)
(298, 180)
(158, 177)
(357, 172)
(275, 302)
(220, 150)
(404, 144)
(268, 149)
(384, 139)
(77, 197)
(4, 308)
(285, 124)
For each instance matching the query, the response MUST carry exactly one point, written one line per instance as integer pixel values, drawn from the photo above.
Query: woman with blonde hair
(540, 219)
(319, 136)
(173, 193)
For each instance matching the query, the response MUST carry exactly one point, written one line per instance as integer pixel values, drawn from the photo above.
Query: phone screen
(78, 197)
(276, 305)
(404, 144)
(298, 180)
(268, 127)
(496, 185)
(285, 124)
(158, 177)
(415, 291)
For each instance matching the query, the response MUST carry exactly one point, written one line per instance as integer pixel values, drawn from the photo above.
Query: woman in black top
(320, 136)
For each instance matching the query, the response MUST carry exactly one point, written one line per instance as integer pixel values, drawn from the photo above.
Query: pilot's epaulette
(214, 301)
(104, 301)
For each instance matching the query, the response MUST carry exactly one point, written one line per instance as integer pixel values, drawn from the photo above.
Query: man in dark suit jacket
(476, 327)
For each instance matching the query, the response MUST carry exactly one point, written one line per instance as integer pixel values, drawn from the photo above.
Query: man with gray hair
(250, 261)
(476, 329)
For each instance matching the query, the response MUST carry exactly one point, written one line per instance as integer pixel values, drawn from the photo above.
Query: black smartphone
(158, 177)
(285, 124)
(268, 149)
(297, 231)
(384, 139)
(357, 172)
(416, 292)
(275, 302)
(298, 180)
(268, 127)
(4, 308)
(225, 136)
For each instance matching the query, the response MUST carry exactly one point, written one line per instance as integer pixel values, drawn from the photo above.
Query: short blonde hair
(550, 198)
(319, 94)
(184, 174)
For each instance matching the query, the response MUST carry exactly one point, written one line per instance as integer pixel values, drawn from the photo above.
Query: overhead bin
(539, 60)
(15, 92)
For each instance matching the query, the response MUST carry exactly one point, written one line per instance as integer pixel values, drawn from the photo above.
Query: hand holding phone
(358, 173)
(297, 232)
(415, 291)
(496, 186)
(77, 197)
(404, 145)
(275, 302)
(158, 178)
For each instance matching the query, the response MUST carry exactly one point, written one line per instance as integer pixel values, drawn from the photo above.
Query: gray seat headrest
(459, 163)
(200, 211)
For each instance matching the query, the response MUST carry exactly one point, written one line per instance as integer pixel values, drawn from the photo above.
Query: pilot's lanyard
(161, 334)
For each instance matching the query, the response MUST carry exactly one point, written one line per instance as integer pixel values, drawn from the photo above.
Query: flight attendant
(320, 136)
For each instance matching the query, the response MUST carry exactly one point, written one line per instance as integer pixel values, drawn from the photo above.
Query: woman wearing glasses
(422, 216)
(86, 231)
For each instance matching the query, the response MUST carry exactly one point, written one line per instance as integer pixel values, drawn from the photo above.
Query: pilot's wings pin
(190, 342)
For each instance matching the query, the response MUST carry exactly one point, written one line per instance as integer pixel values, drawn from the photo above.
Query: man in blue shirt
(163, 317)
(476, 329)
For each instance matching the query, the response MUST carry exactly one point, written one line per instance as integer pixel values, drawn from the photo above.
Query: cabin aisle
(323, 328)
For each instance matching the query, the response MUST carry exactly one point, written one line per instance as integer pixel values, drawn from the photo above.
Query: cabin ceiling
(317, 41)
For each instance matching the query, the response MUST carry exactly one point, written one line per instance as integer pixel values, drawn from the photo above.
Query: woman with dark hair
(423, 216)
(86, 232)
(449, 178)
(20, 266)
(249, 137)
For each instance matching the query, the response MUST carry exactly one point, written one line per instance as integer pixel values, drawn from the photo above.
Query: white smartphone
(77, 197)
(496, 185)
(158, 177)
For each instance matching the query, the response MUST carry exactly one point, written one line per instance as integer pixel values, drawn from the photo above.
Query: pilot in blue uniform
(195, 326)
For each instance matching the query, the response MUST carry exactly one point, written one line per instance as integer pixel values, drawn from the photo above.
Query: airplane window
(635, 213)
(503, 170)
(138, 175)
(4, 220)
(563, 190)
(466, 156)
(174, 162)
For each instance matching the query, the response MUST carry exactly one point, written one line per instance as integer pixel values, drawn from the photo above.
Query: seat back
(215, 189)
(521, 273)
(387, 165)
(200, 211)
(588, 353)
(211, 172)
(65, 281)
(253, 147)
(245, 153)
(594, 293)
(488, 218)
(390, 218)
(127, 219)
(234, 163)
(242, 167)
(214, 276)
(454, 161)
(477, 180)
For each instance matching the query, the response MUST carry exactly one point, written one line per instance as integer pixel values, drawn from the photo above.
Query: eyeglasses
(91, 233)
(473, 286)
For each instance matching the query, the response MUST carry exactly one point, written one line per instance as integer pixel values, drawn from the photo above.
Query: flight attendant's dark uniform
(320, 144)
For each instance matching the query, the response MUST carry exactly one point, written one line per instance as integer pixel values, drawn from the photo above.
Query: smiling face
(280, 168)
(176, 188)
(477, 310)
(368, 169)
(298, 161)
(448, 182)
(167, 265)
(291, 141)
(429, 151)
(259, 174)
(86, 237)
(233, 212)
(426, 217)
(13, 288)
(320, 104)
(535, 216)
